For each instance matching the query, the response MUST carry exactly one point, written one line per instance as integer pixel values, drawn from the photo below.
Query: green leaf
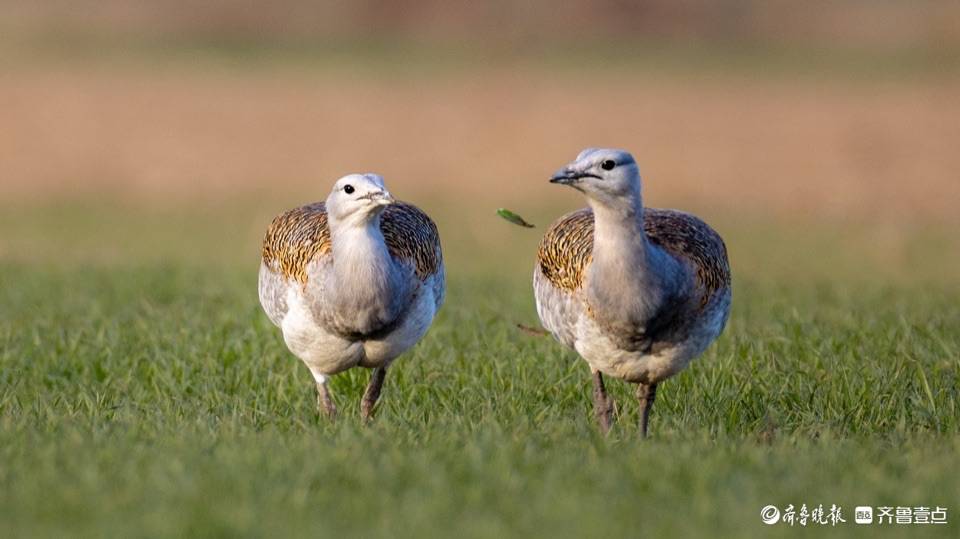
(513, 218)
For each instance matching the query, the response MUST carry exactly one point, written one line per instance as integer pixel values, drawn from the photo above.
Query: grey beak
(381, 197)
(569, 176)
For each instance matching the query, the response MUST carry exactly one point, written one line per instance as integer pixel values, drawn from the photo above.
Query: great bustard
(637, 292)
(353, 281)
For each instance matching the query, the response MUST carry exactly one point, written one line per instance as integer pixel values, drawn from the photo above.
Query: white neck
(362, 270)
(629, 277)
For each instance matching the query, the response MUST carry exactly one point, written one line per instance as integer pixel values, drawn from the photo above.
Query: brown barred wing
(299, 236)
(412, 237)
(296, 238)
(688, 238)
(566, 250)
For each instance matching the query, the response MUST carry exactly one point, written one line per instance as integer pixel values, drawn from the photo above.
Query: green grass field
(143, 393)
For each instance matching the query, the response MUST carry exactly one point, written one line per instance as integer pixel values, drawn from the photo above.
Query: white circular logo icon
(770, 515)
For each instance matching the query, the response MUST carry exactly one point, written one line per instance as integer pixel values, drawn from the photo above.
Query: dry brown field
(874, 150)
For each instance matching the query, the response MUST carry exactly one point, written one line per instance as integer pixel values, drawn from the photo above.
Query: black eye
(608, 164)
(348, 189)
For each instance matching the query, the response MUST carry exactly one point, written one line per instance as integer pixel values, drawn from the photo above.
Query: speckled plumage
(566, 248)
(390, 304)
(680, 329)
(637, 292)
(299, 236)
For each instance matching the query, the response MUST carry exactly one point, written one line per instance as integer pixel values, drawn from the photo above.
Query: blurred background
(146, 145)
(820, 137)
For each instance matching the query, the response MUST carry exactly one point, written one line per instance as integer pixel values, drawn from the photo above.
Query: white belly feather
(327, 353)
(564, 315)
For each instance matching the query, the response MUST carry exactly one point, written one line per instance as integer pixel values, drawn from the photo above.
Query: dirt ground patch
(798, 148)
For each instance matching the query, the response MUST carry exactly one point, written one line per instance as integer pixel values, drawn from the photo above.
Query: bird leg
(646, 394)
(372, 393)
(602, 403)
(325, 404)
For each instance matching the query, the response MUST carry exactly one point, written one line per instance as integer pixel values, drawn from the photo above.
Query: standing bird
(637, 292)
(355, 280)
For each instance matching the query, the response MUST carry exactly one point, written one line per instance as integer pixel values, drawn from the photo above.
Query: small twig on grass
(532, 331)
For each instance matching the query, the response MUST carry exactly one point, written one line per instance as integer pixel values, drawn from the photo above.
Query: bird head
(358, 198)
(606, 176)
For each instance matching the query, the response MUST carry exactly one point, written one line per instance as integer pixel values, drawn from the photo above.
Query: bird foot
(325, 404)
(372, 394)
(605, 412)
(366, 411)
(603, 405)
(646, 394)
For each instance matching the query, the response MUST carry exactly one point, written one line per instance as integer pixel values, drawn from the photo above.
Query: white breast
(323, 351)
(416, 321)
(604, 355)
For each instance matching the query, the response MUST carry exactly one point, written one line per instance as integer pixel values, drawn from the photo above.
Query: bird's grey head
(607, 176)
(358, 199)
